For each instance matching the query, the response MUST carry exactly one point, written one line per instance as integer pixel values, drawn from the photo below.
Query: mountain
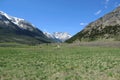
(105, 28)
(13, 29)
(62, 36)
(58, 36)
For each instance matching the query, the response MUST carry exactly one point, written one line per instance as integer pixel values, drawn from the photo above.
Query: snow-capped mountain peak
(14, 19)
(60, 36)
(6, 15)
(18, 21)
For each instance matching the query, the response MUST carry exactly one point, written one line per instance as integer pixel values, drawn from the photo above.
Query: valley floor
(83, 61)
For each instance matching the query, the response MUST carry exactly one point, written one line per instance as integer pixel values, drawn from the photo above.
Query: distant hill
(18, 30)
(105, 28)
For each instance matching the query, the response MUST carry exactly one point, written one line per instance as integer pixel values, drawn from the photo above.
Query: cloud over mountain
(98, 12)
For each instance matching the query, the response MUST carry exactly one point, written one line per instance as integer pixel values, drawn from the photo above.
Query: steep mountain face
(105, 28)
(58, 36)
(14, 29)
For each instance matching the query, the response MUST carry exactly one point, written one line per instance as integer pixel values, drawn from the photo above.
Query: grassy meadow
(69, 62)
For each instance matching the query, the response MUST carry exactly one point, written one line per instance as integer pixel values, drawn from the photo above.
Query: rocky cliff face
(105, 28)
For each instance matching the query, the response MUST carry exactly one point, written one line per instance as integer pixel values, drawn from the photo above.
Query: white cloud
(98, 12)
(83, 24)
(107, 1)
(106, 4)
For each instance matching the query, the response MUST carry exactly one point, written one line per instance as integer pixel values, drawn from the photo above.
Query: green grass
(46, 62)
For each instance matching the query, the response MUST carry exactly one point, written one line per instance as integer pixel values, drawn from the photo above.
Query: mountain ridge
(13, 29)
(104, 28)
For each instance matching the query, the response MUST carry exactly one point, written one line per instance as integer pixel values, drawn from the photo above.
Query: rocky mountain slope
(58, 36)
(105, 28)
(18, 30)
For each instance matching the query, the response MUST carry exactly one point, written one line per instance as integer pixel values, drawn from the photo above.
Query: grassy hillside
(107, 33)
(69, 62)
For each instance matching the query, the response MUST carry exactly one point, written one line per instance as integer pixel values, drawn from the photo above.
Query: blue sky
(59, 15)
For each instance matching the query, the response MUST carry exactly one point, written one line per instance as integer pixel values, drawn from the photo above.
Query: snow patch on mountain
(16, 20)
(49, 35)
(6, 22)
